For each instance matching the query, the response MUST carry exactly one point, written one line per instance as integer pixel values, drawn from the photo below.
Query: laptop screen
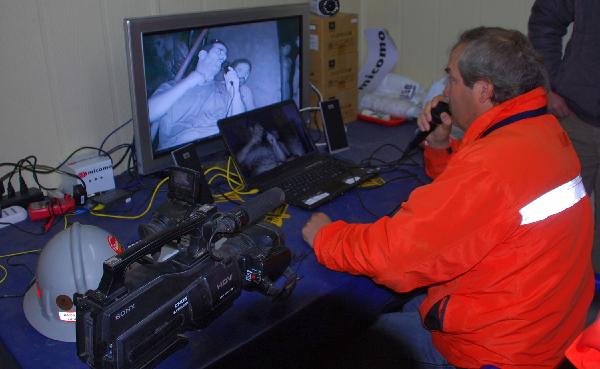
(266, 139)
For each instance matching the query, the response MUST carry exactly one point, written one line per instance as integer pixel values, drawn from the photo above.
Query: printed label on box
(314, 42)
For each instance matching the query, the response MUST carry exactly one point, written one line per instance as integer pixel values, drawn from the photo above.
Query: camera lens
(325, 7)
(330, 6)
(156, 224)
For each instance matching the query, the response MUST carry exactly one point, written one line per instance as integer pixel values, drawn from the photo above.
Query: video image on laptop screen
(265, 139)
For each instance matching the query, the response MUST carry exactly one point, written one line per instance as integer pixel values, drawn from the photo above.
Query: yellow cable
(224, 176)
(229, 180)
(134, 216)
(5, 271)
(240, 184)
(20, 253)
(3, 268)
(219, 169)
(234, 184)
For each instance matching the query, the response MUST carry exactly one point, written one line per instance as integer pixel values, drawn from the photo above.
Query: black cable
(222, 193)
(33, 168)
(298, 259)
(34, 171)
(127, 152)
(22, 265)
(34, 174)
(53, 170)
(23, 230)
(8, 263)
(362, 205)
(127, 148)
(230, 101)
(132, 163)
(114, 131)
(83, 148)
(12, 173)
(394, 162)
(318, 129)
(119, 147)
(391, 212)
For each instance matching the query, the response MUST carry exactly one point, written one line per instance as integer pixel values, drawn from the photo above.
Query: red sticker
(115, 244)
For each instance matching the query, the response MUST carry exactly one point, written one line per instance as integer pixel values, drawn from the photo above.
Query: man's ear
(484, 90)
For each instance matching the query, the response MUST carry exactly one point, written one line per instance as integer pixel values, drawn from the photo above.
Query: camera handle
(290, 283)
(113, 277)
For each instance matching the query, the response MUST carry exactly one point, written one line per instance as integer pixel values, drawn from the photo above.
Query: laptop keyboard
(314, 179)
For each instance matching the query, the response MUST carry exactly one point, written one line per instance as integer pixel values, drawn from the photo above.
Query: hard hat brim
(55, 329)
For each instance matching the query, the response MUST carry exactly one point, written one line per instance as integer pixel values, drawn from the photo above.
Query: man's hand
(257, 134)
(232, 81)
(271, 139)
(440, 137)
(314, 224)
(557, 105)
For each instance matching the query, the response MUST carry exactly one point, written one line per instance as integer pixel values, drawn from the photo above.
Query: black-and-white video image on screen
(266, 139)
(195, 77)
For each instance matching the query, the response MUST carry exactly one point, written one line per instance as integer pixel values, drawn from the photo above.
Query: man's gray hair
(503, 57)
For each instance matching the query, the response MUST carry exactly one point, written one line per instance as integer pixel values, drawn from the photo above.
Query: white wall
(424, 30)
(64, 76)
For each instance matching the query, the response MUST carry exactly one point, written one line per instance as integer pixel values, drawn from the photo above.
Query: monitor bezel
(209, 148)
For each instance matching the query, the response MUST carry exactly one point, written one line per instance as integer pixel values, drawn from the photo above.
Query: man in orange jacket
(501, 237)
(584, 352)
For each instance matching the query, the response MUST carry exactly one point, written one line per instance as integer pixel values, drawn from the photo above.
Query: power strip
(22, 200)
(12, 215)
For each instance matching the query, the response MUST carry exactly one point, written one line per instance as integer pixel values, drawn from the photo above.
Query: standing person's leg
(409, 340)
(596, 192)
(586, 140)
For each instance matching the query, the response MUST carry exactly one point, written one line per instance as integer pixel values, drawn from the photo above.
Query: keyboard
(316, 178)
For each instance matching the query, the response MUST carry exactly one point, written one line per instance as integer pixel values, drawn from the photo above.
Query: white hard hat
(70, 262)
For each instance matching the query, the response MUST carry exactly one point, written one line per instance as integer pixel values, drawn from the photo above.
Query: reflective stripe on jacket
(504, 289)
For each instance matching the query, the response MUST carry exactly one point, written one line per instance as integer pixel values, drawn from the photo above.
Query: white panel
(419, 39)
(78, 68)
(457, 17)
(508, 13)
(250, 3)
(114, 37)
(180, 6)
(229, 4)
(350, 6)
(28, 120)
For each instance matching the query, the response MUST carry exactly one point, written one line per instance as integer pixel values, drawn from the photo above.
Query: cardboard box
(335, 35)
(338, 73)
(348, 105)
(333, 58)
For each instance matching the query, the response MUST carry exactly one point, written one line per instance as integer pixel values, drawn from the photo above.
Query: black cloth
(575, 75)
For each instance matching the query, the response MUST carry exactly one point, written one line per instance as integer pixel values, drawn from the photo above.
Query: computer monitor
(187, 71)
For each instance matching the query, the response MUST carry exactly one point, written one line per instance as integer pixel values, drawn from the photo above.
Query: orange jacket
(584, 353)
(507, 286)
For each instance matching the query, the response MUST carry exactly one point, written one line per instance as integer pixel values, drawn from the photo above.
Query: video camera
(136, 317)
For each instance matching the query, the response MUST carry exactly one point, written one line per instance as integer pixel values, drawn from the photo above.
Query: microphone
(436, 120)
(225, 67)
(251, 212)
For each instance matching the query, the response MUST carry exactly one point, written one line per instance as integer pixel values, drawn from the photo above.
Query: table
(324, 306)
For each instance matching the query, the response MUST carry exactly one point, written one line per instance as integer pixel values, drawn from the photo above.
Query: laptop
(271, 148)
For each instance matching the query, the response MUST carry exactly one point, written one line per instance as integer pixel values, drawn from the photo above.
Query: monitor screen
(188, 71)
(266, 139)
